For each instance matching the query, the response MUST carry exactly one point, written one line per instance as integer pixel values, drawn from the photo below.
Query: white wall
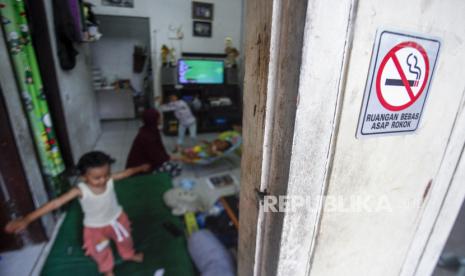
(227, 21)
(77, 95)
(398, 167)
(113, 53)
(329, 160)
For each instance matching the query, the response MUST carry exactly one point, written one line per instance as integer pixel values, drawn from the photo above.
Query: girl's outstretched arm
(20, 224)
(131, 171)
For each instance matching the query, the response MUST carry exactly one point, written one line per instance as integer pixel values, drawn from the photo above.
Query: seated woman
(148, 147)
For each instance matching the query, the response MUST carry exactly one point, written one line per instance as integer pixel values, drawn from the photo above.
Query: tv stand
(220, 106)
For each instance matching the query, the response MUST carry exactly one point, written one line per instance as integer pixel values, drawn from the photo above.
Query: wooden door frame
(286, 79)
(257, 58)
(151, 57)
(273, 51)
(15, 193)
(326, 55)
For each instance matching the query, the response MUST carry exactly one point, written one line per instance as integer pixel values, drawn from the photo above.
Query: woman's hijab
(148, 146)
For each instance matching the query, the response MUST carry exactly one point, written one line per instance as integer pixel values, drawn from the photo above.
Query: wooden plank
(287, 43)
(257, 57)
(327, 43)
(15, 194)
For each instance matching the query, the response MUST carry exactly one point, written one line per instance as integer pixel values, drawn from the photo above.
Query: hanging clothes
(75, 11)
(66, 33)
(15, 28)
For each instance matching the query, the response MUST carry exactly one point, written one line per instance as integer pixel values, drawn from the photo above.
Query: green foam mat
(142, 199)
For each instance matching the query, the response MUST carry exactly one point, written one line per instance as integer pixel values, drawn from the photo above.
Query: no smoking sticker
(398, 83)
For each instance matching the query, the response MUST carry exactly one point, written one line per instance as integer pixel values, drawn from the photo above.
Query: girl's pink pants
(97, 242)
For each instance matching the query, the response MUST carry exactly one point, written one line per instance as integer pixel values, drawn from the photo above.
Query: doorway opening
(142, 61)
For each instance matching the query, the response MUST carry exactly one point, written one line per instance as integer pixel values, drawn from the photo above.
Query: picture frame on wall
(202, 29)
(118, 3)
(202, 10)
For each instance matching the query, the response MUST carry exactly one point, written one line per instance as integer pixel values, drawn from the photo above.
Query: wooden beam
(257, 57)
(327, 42)
(287, 43)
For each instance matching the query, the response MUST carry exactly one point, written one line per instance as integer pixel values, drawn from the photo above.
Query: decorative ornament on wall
(231, 52)
(175, 32)
(165, 51)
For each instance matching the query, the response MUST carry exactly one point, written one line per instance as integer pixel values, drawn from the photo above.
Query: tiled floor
(117, 138)
(116, 141)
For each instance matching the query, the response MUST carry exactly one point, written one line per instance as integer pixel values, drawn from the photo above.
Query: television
(200, 71)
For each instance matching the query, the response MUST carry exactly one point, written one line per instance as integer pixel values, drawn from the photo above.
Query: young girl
(104, 218)
(183, 113)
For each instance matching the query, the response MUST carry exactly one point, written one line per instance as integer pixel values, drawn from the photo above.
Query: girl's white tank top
(99, 209)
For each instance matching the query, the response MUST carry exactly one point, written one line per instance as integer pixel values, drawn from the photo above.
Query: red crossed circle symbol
(392, 55)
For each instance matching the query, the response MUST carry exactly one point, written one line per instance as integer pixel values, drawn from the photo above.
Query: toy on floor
(208, 152)
(181, 201)
(191, 223)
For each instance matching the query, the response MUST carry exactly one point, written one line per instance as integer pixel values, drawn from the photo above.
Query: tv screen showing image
(192, 71)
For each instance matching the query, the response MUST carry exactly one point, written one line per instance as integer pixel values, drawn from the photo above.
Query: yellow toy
(231, 52)
(165, 51)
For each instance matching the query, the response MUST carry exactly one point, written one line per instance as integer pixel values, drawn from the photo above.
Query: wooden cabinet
(220, 107)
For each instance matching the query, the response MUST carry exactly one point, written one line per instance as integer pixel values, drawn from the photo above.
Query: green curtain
(16, 31)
